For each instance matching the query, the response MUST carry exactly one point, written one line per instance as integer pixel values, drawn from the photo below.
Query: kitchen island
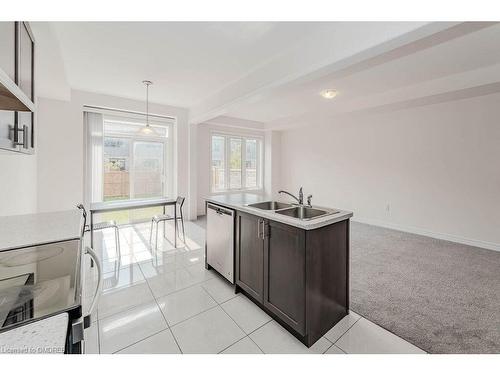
(294, 268)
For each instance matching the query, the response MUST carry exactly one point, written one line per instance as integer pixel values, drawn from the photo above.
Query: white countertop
(240, 201)
(46, 336)
(36, 229)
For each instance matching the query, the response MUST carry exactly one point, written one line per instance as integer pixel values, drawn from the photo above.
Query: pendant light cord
(147, 83)
(147, 104)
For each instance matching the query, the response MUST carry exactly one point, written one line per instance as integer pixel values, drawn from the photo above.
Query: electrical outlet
(388, 207)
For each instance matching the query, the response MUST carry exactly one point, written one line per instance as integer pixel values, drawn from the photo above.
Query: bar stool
(159, 218)
(101, 226)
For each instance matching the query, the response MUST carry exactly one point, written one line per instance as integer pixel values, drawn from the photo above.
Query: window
(235, 163)
(136, 166)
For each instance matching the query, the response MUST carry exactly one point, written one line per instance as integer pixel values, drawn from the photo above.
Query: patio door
(133, 169)
(147, 177)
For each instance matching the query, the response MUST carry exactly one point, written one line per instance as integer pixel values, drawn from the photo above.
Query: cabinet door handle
(25, 136)
(265, 228)
(258, 229)
(15, 129)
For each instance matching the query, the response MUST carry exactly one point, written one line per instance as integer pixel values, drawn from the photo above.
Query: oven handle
(93, 255)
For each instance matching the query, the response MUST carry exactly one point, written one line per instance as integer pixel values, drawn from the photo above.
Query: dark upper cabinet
(26, 53)
(17, 89)
(285, 273)
(250, 255)
(8, 49)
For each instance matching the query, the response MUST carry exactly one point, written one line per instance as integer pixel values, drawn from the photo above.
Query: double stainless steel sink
(293, 210)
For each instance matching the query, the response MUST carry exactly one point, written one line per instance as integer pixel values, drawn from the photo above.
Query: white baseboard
(428, 233)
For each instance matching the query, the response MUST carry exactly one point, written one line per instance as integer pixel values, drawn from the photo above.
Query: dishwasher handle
(220, 210)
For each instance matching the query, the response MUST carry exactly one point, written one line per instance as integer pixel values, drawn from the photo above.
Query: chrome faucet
(300, 199)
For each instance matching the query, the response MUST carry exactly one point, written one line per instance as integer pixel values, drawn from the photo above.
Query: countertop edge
(48, 242)
(306, 225)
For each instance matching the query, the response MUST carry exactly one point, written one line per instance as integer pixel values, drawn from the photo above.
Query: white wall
(432, 170)
(18, 180)
(203, 155)
(61, 149)
(272, 172)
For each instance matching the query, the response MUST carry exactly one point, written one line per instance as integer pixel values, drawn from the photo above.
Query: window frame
(227, 148)
(167, 187)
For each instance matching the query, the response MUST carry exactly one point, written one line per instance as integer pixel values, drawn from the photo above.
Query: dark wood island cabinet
(298, 276)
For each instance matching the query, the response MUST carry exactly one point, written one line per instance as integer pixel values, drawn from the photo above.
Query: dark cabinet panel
(26, 57)
(26, 136)
(8, 49)
(327, 279)
(7, 122)
(284, 274)
(249, 255)
(299, 277)
(17, 49)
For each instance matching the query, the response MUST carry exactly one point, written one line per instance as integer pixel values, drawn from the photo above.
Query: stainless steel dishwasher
(220, 240)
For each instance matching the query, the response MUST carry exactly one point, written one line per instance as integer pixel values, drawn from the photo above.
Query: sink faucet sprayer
(309, 197)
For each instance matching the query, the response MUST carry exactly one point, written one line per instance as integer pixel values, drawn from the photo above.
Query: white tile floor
(165, 301)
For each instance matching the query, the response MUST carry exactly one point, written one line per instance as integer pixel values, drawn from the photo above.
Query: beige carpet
(441, 296)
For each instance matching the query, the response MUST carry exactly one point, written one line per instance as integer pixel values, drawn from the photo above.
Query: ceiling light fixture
(147, 129)
(329, 93)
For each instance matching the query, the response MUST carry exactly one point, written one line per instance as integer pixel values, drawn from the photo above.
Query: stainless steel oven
(42, 281)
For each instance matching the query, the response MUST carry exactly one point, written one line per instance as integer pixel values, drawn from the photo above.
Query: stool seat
(102, 225)
(158, 218)
(165, 217)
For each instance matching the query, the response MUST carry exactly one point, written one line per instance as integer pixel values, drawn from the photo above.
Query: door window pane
(148, 169)
(116, 168)
(218, 163)
(251, 163)
(235, 163)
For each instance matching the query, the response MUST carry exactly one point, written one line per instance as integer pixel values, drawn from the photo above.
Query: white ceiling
(187, 61)
(468, 60)
(271, 73)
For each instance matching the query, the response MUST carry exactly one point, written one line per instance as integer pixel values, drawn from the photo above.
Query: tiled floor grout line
(194, 273)
(179, 290)
(328, 347)
(227, 347)
(259, 327)
(339, 348)
(342, 335)
(247, 334)
(161, 311)
(164, 318)
(332, 344)
(163, 315)
(144, 338)
(219, 303)
(197, 314)
(154, 297)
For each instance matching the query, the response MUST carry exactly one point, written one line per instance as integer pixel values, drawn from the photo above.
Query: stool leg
(118, 249)
(183, 233)
(156, 242)
(151, 232)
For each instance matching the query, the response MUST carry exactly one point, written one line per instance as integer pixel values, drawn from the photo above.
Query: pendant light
(147, 129)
